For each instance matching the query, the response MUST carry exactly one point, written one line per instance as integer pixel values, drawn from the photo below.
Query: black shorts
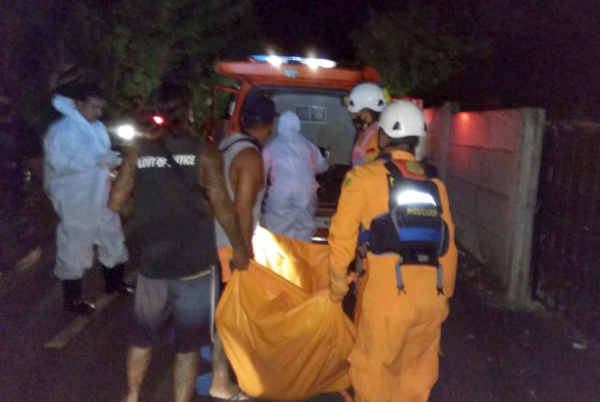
(178, 311)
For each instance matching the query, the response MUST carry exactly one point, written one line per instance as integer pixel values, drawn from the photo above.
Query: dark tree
(417, 46)
(128, 46)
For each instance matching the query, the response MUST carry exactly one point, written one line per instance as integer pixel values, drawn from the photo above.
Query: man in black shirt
(172, 174)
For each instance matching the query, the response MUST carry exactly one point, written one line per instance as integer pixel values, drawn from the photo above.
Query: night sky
(297, 27)
(545, 53)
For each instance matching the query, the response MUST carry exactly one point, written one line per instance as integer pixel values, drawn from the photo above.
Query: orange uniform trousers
(395, 357)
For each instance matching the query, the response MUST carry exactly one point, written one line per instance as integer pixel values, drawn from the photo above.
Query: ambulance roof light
(276, 60)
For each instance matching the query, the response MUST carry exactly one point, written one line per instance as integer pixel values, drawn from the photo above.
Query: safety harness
(413, 227)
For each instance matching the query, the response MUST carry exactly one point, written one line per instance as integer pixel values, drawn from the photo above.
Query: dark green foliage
(417, 46)
(127, 46)
(141, 43)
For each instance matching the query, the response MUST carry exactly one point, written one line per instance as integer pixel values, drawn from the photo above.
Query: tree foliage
(417, 46)
(127, 46)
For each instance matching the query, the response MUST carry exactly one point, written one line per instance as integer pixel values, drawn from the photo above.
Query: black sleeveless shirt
(175, 233)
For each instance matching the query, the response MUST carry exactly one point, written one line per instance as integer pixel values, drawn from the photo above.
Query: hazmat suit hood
(73, 144)
(66, 106)
(291, 163)
(288, 126)
(76, 179)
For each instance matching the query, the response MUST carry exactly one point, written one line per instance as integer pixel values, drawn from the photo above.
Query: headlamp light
(126, 132)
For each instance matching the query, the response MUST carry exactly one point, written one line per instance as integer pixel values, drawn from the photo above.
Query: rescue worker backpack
(413, 226)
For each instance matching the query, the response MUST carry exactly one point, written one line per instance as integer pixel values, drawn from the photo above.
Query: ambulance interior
(326, 122)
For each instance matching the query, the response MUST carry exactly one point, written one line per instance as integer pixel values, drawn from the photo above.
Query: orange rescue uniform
(395, 357)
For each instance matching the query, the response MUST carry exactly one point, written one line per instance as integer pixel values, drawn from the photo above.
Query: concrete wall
(490, 162)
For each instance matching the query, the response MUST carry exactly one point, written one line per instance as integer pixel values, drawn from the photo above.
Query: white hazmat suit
(77, 157)
(291, 163)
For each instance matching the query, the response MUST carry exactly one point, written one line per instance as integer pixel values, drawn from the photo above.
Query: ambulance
(316, 90)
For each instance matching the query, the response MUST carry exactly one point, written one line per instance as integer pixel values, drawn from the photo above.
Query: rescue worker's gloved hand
(338, 284)
(109, 159)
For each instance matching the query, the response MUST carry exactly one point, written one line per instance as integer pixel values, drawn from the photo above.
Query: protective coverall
(395, 357)
(366, 148)
(76, 178)
(291, 163)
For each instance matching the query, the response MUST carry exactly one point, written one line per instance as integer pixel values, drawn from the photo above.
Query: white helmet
(402, 119)
(366, 95)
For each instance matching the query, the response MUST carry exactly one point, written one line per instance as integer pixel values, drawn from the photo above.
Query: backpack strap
(431, 172)
(393, 169)
(364, 236)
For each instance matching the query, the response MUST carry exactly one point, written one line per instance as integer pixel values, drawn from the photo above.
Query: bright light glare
(274, 60)
(126, 132)
(268, 252)
(312, 63)
(159, 120)
(414, 197)
(324, 63)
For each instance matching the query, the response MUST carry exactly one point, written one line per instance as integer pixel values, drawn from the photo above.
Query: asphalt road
(49, 355)
(490, 354)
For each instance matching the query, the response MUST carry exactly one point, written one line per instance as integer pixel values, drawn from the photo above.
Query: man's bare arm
(247, 176)
(120, 194)
(211, 177)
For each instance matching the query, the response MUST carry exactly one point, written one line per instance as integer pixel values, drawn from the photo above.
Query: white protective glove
(110, 159)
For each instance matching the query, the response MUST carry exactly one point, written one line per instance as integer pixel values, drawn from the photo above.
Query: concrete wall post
(525, 196)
